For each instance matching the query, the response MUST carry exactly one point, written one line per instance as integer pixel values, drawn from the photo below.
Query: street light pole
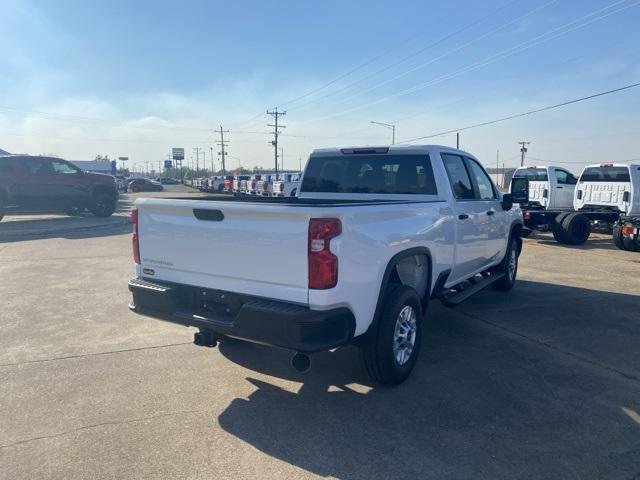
(390, 127)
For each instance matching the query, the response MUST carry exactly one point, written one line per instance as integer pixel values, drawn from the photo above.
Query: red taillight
(527, 215)
(282, 187)
(323, 265)
(628, 230)
(135, 241)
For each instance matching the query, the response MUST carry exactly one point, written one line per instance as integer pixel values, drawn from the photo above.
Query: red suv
(29, 183)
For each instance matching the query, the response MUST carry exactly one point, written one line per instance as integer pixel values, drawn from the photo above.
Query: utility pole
(523, 150)
(458, 140)
(223, 146)
(282, 158)
(498, 167)
(275, 114)
(212, 170)
(197, 149)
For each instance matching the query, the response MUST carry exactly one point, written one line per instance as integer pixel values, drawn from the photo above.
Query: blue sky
(135, 78)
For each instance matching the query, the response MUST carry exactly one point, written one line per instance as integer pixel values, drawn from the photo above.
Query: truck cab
(609, 186)
(550, 188)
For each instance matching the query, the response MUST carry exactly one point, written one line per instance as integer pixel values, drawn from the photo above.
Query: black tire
(618, 239)
(508, 266)
(556, 227)
(631, 244)
(577, 228)
(380, 360)
(526, 232)
(103, 205)
(293, 192)
(74, 211)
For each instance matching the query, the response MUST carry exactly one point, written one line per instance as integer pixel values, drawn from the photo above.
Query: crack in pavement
(94, 354)
(576, 356)
(97, 425)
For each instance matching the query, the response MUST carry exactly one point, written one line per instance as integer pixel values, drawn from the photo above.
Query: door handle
(491, 212)
(558, 187)
(463, 216)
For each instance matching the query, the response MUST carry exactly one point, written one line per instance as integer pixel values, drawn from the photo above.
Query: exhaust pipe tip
(301, 362)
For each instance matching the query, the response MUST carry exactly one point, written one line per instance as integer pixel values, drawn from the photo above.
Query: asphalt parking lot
(543, 382)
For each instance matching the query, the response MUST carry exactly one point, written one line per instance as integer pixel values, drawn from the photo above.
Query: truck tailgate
(246, 248)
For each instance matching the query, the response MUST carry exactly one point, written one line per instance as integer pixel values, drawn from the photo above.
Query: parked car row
(606, 194)
(263, 184)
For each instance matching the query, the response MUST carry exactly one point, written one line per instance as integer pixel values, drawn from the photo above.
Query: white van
(551, 188)
(609, 186)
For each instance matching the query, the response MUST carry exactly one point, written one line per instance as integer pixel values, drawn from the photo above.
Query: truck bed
(294, 201)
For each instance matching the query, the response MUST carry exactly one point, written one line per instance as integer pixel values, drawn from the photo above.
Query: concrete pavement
(543, 382)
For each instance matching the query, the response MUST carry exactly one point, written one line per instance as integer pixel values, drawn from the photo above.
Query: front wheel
(509, 267)
(392, 345)
(103, 205)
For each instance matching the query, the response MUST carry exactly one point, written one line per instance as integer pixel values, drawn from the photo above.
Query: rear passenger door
(492, 218)
(472, 220)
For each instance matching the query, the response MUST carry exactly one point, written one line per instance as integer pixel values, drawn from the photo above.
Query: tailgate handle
(209, 215)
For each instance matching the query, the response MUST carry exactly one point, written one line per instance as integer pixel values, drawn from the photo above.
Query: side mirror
(507, 202)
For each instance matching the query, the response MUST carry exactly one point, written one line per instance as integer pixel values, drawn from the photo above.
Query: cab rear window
(386, 174)
(532, 174)
(605, 174)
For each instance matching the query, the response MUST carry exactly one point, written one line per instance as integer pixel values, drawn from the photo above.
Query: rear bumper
(270, 322)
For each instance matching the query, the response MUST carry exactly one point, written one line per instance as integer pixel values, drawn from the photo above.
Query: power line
(407, 57)
(530, 112)
(583, 162)
(552, 34)
(449, 52)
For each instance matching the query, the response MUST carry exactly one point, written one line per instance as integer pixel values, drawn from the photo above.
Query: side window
(5, 166)
(458, 176)
(563, 177)
(60, 167)
(481, 181)
(38, 166)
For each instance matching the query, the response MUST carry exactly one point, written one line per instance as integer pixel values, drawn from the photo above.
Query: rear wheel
(556, 227)
(618, 239)
(103, 205)
(631, 244)
(577, 228)
(392, 345)
(526, 232)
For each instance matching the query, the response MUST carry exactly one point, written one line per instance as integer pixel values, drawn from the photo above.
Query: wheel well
(516, 232)
(412, 267)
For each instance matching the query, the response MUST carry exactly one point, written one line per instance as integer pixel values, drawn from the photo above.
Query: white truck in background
(373, 234)
(604, 193)
(613, 187)
(286, 185)
(550, 187)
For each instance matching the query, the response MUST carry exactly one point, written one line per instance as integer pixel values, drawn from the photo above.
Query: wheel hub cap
(404, 337)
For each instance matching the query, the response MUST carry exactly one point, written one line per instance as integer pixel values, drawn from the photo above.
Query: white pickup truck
(372, 235)
(549, 187)
(613, 187)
